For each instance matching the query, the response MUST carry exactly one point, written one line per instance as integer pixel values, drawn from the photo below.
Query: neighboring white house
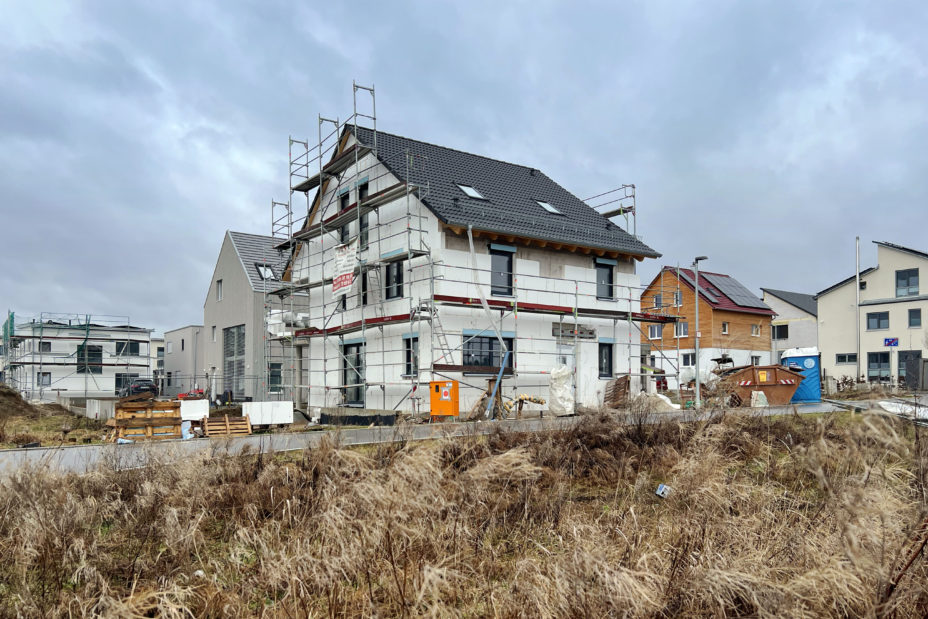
(436, 229)
(183, 360)
(236, 355)
(893, 308)
(76, 355)
(796, 322)
(156, 360)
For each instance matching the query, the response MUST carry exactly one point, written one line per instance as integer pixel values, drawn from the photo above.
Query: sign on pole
(346, 259)
(890, 341)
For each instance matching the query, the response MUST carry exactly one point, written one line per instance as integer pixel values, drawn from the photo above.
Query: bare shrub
(788, 516)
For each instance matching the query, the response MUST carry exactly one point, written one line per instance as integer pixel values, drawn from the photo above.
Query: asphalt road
(85, 458)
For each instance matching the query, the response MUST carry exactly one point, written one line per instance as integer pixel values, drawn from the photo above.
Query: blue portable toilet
(808, 362)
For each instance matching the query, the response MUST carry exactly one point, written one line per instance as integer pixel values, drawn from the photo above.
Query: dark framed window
(501, 273)
(689, 359)
(363, 276)
(45, 379)
(907, 283)
(394, 288)
(915, 317)
(411, 366)
(181, 344)
(353, 374)
(169, 378)
(780, 332)
(89, 359)
(45, 346)
(130, 348)
(605, 360)
(846, 358)
(344, 200)
(877, 320)
(878, 367)
(363, 192)
(365, 230)
(605, 279)
(485, 352)
(274, 377)
(344, 233)
(755, 359)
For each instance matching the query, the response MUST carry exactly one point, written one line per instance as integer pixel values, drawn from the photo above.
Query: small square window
(471, 192)
(548, 207)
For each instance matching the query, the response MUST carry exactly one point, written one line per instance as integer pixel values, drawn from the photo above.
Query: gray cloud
(764, 134)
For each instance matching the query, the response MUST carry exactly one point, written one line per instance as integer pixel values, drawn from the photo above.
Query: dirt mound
(12, 404)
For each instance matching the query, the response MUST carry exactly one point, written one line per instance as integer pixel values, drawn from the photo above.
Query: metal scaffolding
(306, 326)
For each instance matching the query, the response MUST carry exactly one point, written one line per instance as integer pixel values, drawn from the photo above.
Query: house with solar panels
(733, 324)
(423, 263)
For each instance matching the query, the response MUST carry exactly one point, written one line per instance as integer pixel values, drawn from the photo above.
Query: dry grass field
(790, 516)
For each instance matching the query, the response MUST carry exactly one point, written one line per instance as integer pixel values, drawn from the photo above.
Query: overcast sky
(765, 135)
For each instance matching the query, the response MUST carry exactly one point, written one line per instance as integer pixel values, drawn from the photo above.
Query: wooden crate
(226, 426)
(150, 420)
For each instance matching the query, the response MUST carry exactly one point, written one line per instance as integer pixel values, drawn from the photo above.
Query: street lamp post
(697, 404)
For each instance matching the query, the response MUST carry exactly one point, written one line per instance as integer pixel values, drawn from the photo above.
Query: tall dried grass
(787, 517)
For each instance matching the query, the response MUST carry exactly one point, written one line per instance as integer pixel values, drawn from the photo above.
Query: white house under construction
(77, 355)
(423, 263)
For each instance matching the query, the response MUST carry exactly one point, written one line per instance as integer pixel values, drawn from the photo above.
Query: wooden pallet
(226, 426)
(146, 421)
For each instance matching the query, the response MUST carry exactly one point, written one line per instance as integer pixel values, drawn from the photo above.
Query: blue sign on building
(890, 341)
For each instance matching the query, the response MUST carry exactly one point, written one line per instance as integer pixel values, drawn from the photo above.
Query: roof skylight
(471, 192)
(265, 272)
(548, 207)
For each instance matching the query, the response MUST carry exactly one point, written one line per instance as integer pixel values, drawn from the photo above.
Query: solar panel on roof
(735, 291)
(707, 294)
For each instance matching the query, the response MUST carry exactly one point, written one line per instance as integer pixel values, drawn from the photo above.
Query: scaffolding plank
(351, 327)
(542, 308)
(471, 369)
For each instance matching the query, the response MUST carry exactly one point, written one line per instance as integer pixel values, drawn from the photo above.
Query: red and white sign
(346, 259)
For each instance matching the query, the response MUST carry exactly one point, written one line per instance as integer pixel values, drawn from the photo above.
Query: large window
(233, 360)
(604, 281)
(681, 329)
(780, 332)
(274, 377)
(605, 360)
(485, 352)
(877, 321)
(501, 273)
(89, 359)
(847, 358)
(394, 280)
(411, 366)
(353, 374)
(878, 367)
(915, 317)
(127, 349)
(907, 283)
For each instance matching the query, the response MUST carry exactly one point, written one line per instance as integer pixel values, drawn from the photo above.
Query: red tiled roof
(720, 300)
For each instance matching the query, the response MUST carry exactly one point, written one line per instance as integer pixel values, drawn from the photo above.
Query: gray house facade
(234, 337)
(796, 322)
(183, 356)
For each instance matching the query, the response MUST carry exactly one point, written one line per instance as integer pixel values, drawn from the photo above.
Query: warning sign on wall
(346, 259)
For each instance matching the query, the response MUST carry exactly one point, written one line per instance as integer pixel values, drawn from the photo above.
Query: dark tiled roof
(255, 249)
(805, 302)
(719, 298)
(510, 190)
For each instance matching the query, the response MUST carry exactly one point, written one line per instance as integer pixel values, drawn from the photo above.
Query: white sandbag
(561, 400)
(759, 399)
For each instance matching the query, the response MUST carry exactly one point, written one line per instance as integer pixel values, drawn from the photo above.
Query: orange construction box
(444, 398)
